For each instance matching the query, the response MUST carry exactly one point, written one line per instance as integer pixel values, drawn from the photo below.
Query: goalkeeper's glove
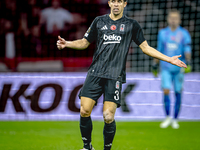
(189, 68)
(155, 69)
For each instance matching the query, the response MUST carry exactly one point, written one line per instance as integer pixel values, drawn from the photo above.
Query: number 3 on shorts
(116, 97)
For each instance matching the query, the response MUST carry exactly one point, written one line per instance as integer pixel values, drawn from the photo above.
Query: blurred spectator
(35, 41)
(29, 38)
(90, 1)
(9, 40)
(23, 25)
(2, 37)
(33, 13)
(10, 12)
(22, 35)
(55, 17)
(8, 50)
(8, 25)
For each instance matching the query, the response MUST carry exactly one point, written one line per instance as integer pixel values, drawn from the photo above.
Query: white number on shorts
(116, 97)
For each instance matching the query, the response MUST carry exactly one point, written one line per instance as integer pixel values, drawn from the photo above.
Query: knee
(84, 112)
(108, 117)
(166, 91)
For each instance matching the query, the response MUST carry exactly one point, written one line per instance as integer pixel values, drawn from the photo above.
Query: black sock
(109, 133)
(86, 130)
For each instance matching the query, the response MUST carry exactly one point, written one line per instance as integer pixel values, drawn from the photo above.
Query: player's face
(55, 3)
(174, 20)
(117, 6)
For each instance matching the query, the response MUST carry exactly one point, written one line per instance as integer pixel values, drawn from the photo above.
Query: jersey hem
(112, 78)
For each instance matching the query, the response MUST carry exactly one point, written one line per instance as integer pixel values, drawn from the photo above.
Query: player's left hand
(175, 61)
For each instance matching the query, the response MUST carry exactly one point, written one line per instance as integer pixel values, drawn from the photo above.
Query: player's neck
(173, 28)
(115, 17)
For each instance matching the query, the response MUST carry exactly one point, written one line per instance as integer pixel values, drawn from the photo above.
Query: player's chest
(174, 38)
(107, 28)
(173, 41)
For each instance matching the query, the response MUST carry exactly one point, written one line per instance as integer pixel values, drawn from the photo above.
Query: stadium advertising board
(54, 96)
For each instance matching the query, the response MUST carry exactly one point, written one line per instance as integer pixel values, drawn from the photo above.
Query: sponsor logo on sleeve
(87, 33)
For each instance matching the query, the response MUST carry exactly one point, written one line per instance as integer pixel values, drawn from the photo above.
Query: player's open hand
(177, 62)
(61, 43)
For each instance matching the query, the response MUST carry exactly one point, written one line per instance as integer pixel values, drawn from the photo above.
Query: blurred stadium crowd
(29, 30)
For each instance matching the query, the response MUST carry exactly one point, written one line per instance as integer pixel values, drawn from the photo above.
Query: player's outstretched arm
(156, 54)
(77, 44)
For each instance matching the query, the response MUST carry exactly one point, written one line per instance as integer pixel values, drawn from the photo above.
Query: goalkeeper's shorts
(172, 78)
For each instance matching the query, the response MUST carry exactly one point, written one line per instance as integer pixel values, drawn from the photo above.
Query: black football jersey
(113, 39)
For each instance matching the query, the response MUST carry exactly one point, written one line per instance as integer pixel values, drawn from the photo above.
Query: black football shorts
(94, 87)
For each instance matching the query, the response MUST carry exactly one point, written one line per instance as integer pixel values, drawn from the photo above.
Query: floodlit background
(28, 31)
(40, 83)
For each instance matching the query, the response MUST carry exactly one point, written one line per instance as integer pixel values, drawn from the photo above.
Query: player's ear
(109, 3)
(125, 3)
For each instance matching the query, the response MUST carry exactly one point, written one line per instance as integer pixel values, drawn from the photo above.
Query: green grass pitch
(65, 135)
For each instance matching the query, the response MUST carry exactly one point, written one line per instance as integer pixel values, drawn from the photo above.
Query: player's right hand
(61, 43)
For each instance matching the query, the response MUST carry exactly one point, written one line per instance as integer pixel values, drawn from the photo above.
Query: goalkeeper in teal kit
(173, 40)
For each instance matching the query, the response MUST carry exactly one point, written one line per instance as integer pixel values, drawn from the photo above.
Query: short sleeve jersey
(173, 43)
(113, 39)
